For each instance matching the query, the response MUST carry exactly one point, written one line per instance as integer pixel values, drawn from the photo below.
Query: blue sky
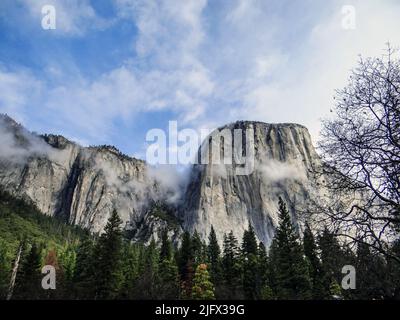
(112, 70)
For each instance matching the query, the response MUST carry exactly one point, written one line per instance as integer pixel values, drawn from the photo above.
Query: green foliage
(5, 269)
(83, 276)
(28, 285)
(165, 213)
(203, 289)
(251, 270)
(289, 268)
(108, 260)
(333, 258)
(168, 285)
(215, 262)
(264, 273)
(314, 263)
(371, 274)
(232, 265)
(22, 220)
(111, 267)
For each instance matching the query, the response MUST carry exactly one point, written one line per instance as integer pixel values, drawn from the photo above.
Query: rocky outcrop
(284, 159)
(80, 185)
(83, 185)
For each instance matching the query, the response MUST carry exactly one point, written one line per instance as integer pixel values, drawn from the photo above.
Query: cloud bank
(202, 63)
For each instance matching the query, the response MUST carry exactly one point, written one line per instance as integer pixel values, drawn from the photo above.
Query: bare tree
(360, 147)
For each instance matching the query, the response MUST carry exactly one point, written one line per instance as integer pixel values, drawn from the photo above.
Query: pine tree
(290, 269)
(168, 287)
(67, 260)
(315, 268)
(203, 288)
(264, 273)
(232, 268)
(371, 275)
(198, 249)
(332, 261)
(214, 258)
(130, 270)
(84, 273)
(108, 257)
(185, 254)
(185, 262)
(28, 281)
(251, 276)
(148, 279)
(168, 276)
(166, 246)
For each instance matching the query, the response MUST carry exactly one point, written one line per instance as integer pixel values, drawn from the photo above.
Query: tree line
(294, 267)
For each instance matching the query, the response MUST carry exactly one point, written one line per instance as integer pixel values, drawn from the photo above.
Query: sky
(113, 70)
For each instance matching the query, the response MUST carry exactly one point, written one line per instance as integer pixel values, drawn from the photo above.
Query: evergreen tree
(214, 258)
(67, 260)
(185, 255)
(186, 260)
(130, 270)
(264, 273)
(315, 268)
(198, 249)
(168, 287)
(166, 246)
(251, 275)
(371, 275)
(290, 269)
(333, 259)
(148, 280)
(28, 281)
(83, 277)
(203, 288)
(249, 244)
(108, 257)
(168, 277)
(232, 268)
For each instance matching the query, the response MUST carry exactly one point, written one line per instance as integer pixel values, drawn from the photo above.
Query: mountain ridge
(84, 184)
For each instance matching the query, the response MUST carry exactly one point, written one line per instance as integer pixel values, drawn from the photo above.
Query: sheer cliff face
(283, 160)
(81, 185)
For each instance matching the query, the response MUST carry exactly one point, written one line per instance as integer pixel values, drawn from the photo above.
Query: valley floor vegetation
(110, 266)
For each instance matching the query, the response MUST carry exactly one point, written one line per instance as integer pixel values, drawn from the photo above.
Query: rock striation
(284, 159)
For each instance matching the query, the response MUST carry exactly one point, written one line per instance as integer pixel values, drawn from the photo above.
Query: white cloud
(246, 60)
(18, 89)
(298, 85)
(276, 171)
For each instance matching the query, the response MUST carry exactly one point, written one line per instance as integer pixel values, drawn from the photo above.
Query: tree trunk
(14, 273)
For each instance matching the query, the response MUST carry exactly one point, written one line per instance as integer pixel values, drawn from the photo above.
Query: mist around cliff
(17, 144)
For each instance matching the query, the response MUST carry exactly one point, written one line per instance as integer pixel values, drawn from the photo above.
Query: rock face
(84, 185)
(283, 160)
(80, 185)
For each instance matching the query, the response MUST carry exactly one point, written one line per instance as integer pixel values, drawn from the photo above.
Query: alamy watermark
(349, 280)
(49, 280)
(49, 17)
(228, 147)
(348, 17)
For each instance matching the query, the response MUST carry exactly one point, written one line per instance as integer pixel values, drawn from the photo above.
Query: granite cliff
(82, 185)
